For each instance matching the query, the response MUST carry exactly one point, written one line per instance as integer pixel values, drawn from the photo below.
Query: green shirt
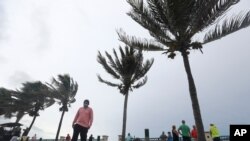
(185, 130)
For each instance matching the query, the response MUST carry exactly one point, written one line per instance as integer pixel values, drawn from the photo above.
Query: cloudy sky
(40, 39)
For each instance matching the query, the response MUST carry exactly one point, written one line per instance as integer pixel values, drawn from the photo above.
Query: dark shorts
(186, 138)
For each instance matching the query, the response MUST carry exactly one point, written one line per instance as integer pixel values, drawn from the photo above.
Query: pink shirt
(84, 117)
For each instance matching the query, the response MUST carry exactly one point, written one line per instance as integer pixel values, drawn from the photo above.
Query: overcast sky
(40, 39)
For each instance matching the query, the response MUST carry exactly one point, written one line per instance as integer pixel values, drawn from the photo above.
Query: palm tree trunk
(59, 127)
(34, 118)
(19, 116)
(194, 99)
(124, 116)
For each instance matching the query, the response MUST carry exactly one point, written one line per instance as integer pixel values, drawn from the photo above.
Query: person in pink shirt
(82, 122)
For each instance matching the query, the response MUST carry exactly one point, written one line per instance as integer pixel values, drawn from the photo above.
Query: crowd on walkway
(187, 134)
(184, 132)
(84, 118)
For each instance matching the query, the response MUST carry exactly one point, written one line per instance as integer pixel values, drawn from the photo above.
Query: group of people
(84, 118)
(187, 134)
(165, 137)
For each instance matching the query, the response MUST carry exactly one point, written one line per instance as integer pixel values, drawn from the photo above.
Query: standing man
(214, 132)
(184, 130)
(82, 121)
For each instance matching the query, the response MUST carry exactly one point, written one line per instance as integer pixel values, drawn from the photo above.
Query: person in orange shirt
(194, 133)
(82, 121)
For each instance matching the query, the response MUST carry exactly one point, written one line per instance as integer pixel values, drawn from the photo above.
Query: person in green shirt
(214, 132)
(184, 130)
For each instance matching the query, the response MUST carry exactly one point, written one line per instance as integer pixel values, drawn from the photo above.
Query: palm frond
(112, 62)
(229, 26)
(105, 65)
(179, 15)
(139, 43)
(121, 52)
(209, 11)
(74, 89)
(142, 71)
(143, 16)
(157, 10)
(139, 66)
(129, 51)
(147, 65)
(55, 82)
(140, 83)
(118, 62)
(107, 82)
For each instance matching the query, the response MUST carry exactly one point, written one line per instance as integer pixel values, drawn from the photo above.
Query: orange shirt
(84, 117)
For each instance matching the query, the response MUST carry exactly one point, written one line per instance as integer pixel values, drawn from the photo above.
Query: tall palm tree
(38, 96)
(174, 23)
(65, 89)
(129, 70)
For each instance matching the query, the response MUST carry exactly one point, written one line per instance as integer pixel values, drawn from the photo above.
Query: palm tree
(38, 96)
(65, 89)
(129, 70)
(174, 23)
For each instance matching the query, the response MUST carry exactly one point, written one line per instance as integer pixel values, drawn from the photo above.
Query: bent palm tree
(174, 23)
(38, 96)
(129, 70)
(65, 89)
